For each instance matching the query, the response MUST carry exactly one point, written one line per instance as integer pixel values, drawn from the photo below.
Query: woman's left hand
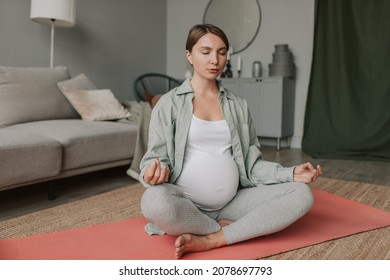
(306, 173)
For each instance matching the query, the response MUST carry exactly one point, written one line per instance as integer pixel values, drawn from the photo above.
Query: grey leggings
(254, 211)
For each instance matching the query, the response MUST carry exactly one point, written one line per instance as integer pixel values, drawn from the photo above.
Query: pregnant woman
(206, 181)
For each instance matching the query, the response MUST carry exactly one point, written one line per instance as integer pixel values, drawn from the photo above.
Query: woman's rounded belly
(209, 180)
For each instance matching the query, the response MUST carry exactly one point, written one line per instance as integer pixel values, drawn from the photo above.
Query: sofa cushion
(26, 157)
(87, 143)
(31, 94)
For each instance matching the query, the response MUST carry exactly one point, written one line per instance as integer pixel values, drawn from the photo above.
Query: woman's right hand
(155, 174)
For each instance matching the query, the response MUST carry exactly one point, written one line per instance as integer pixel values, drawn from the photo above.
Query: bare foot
(187, 243)
(224, 223)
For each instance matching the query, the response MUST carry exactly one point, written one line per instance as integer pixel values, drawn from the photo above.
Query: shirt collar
(186, 87)
(223, 91)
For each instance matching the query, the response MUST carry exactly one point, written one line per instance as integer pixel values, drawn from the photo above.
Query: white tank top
(210, 175)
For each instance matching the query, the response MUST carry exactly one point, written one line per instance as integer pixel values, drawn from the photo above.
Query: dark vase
(228, 72)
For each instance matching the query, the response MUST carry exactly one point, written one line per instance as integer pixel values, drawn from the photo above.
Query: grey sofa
(42, 136)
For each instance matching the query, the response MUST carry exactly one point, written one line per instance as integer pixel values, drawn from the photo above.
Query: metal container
(256, 69)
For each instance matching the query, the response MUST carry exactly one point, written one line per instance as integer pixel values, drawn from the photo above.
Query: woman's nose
(214, 59)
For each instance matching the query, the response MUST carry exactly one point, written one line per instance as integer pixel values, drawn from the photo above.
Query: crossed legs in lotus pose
(251, 213)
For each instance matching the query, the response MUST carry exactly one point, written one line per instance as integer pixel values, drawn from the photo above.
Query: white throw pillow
(79, 82)
(96, 105)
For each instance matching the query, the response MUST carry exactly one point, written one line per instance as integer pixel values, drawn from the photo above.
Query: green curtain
(348, 107)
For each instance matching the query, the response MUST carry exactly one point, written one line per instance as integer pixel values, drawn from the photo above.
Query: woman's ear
(189, 58)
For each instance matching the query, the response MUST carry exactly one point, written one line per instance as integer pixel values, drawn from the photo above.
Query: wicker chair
(151, 84)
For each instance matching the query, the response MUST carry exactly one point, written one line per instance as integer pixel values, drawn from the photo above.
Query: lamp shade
(61, 13)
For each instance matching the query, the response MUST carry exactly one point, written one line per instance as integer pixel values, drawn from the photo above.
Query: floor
(25, 200)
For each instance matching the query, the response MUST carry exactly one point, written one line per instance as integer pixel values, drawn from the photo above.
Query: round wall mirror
(239, 19)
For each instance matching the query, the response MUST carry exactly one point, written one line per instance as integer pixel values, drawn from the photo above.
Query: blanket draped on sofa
(140, 114)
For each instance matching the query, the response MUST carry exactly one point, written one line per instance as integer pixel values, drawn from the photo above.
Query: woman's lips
(213, 70)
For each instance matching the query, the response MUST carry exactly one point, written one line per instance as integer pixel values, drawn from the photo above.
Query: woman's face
(208, 56)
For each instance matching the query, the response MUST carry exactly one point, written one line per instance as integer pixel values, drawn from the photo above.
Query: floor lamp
(60, 13)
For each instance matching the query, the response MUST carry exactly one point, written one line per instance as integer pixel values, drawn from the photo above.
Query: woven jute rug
(124, 203)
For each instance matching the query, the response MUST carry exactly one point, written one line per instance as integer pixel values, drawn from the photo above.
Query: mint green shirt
(169, 127)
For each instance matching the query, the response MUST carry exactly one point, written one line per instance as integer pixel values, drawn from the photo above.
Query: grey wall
(112, 42)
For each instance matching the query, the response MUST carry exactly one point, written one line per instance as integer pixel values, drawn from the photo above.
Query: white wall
(283, 21)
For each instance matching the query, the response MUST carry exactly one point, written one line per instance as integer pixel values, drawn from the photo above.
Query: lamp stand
(52, 43)
(54, 13)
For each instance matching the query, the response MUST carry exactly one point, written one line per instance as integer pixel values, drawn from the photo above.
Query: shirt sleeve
(159, 132)
(261, 171)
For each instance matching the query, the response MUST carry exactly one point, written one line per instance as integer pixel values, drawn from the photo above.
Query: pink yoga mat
(331, 217)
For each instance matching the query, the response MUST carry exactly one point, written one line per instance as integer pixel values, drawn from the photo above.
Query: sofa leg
(51, 192)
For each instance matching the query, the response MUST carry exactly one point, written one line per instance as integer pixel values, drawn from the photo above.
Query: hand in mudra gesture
(155, 174)
(306, 173)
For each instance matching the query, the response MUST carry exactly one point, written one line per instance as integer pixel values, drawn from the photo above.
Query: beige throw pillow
(96, 105)
(80, 82)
